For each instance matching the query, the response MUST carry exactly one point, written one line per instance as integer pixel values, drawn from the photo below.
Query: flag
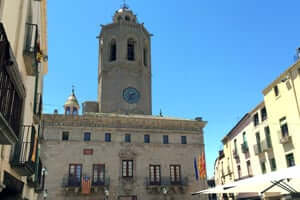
(86, 185)
(196, 169)
(202, 167)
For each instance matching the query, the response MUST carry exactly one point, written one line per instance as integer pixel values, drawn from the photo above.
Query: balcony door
(154, 174)
(75, 173)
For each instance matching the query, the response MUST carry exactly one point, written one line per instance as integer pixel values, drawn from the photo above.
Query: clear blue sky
(209, 58)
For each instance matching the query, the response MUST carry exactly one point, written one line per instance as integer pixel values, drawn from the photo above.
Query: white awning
(282, 181)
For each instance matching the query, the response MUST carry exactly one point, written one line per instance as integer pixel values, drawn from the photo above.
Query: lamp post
(106, 193)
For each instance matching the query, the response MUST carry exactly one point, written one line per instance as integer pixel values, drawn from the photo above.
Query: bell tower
(124, 69)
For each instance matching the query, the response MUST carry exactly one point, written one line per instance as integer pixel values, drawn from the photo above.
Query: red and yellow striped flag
(85, 185)
(202, 166)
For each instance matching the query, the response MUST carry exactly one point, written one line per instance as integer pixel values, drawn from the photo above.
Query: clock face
(131, 95)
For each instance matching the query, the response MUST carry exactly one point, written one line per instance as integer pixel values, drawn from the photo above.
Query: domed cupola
(71, 106)
(124, 14)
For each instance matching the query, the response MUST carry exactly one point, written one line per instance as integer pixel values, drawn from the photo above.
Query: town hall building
(116, 145)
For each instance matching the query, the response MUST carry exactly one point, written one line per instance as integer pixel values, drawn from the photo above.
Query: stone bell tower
(124, 71)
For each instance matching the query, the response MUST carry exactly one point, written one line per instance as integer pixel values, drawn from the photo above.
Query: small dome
(72, 100)
(71, 106)
(124, 14)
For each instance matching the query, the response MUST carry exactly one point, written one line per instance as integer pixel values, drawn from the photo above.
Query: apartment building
(23, 63)
(265, 139)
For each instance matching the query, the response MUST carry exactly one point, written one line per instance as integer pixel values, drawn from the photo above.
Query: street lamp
(106, 193)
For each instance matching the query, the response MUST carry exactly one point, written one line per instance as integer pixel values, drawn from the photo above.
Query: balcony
(37, 181)
(285, 139)
(166, 182)
(31, 49)
(235, 153)
(24, 157)
(100, 185)
(245, 147)
(73, 184)
(266, 146)
(12, 93)
(257, 149)
(37, 108)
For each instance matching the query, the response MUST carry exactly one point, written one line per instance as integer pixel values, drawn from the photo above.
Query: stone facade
(59, 154)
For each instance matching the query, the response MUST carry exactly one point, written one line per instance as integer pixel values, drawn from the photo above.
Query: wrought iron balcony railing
(12, 93)
(99, 183)
(71, 181)
(25, 152)
(166, 181)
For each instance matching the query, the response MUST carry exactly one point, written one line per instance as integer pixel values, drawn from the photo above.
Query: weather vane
(125, 6)
(73, 89)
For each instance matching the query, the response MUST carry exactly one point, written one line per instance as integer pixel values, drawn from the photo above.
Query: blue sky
(209, 58)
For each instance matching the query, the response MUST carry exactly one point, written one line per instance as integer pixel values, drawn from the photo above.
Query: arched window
(75, 111)
(113, 50)
(119, 18)
(145, 56)
(127, 18)
(130, 49)
(68, 111)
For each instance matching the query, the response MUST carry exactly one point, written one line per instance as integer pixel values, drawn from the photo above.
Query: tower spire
(73, 91)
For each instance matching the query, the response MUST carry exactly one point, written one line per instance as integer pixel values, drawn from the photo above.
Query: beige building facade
(23, 63)
(116, 144)
(265, 140)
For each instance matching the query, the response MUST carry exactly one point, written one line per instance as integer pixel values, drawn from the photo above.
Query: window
(258, 142)
(127, 168)
(263, 114)
(154, 174)
(284, 127)
(68, 111)
(256, 119)
(239, 171)
(87, 136)
(183, 140)
(113, 50)
(263, 167)
(268, 137)
(98, 174)
(273, 164)
(235, 146)
(127, 18)
(290, 160)
(166, 139)
(130, 49)
(146, 138)
(145, 57)
(276, 91)
(75, 111)
(249, 168)
(107, 137)
(75, 173)
(127, 138)
(65, 135)
(175, 174)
